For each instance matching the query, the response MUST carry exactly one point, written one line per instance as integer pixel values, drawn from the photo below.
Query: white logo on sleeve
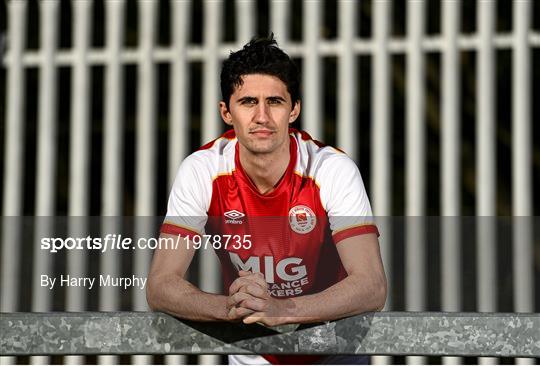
(234, 217)
(302, 219)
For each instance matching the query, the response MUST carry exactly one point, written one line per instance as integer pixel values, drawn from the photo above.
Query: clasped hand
(250, 302)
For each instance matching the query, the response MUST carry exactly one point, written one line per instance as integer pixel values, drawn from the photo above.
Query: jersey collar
(285, 180)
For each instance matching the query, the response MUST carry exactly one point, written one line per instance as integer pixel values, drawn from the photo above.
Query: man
(305, 247)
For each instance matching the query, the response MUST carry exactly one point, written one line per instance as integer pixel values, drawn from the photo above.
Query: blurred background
(101, 100)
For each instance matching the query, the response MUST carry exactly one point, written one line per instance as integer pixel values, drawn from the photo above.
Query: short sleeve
(189, 199)
(345, 199)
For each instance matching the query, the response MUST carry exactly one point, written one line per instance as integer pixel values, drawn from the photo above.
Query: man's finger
(237, 313)
(254, 318)
(255, 290)
(254, 304)
(257, 277)
(237, 284)
(246, 281)
(243, 273)
(237, 298)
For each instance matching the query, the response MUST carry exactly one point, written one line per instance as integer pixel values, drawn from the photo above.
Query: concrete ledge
(386, 333)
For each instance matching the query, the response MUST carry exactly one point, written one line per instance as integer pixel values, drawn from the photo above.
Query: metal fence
(23, 162)
(391, 333)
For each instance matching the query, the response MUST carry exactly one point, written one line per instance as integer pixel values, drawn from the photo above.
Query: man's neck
(265, 170)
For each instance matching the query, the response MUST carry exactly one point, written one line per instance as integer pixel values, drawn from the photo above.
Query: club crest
(302, 219)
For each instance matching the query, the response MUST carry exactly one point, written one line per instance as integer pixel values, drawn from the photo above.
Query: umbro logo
(234, 217)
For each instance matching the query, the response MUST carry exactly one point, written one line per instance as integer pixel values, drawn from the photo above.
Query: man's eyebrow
(276, 97)
(246, 99)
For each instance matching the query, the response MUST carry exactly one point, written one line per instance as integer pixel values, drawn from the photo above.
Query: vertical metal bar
(347, 130)
(415, 112)
(521, 156)
(312, 75)
(79, 149)
(113, 154)
(279, 21)
(145, 150)
(14, 154)
(521, 130)
(209, 265)
(450, 177)
(46, 153)
(521, 165)
(179, 97)
(146, 112)
(113, 147)
(80, 111)
(381, 145)
(486, 198)
(46, 148)
(415, 164)
(79, 156)
(415, 149)
(145, 146)
(245, 27)
(485, 135)
(211, 123)
(381, 105)
(46, 157)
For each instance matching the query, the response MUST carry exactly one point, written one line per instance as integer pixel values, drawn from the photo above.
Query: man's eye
(274, 101)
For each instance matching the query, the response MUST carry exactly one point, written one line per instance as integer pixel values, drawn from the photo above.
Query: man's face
(260, 111)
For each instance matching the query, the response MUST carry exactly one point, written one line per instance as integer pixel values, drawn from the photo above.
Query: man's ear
(295, 112)
(225, 114)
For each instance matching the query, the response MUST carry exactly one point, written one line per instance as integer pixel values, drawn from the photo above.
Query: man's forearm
(348, 297)
(174, 295)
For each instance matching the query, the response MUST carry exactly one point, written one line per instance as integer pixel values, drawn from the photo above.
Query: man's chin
(261, 151)
(261, 148)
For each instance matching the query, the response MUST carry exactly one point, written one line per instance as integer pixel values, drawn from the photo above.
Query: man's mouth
(261, 132)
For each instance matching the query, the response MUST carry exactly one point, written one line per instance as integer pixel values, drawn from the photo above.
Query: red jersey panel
(287, 230)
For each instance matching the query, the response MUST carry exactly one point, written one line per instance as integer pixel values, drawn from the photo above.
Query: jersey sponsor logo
(291, 275)
(234, 217)
(302, 219)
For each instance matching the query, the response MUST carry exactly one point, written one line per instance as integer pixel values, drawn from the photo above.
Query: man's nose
(262, 114)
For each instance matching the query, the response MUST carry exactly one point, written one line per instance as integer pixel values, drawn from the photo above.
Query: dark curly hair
(259, 56)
